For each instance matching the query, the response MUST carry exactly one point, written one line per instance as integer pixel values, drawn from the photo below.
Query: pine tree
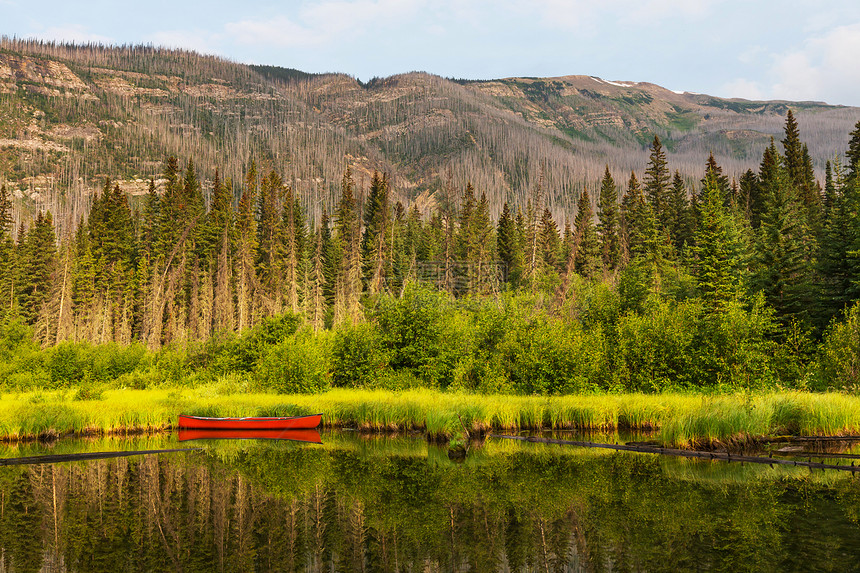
(508, 245)
(220, 220)
(608, 223)
(270, 244)
(830, 194)
(587, 245)
(531, 230)
(718, 249)
(568, 245)
(793, 163)
(853, 154)
(466, 238)
(348, 240)
(374, 246)
(58, 314)
(7, 256)
(482, 243)
(722, 181)
(413, 242)
(783, 244)
(38, 254)
(293, 248)
(800, 173)
(316, 304)
(331, 258)
(637, 218)
(549, 242)
(166, 230)
(838, 256)
(399, 263)
(680, 216)
(656, 181)
(749, 198)
(113, 248)
(246, 236)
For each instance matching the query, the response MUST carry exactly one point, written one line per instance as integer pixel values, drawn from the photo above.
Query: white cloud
(584, 15)
(652, 11)
(278, 31)
(822, 67)
(752, 55)
(743, 88)
(326, 22)
(73, 33)
(186, 39)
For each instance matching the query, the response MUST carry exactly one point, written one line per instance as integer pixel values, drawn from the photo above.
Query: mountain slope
(69, 115)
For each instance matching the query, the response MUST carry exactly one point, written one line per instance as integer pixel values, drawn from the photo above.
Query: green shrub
(299, 364)
(227, 352)
(736, 349)
(358, 356)
(839, 360)
(88, 390)
(413, 330)
(548, 356)
(653, 349)
(634, 285)
(21, 359)
(110, 361)
(69, 363)
(172, 365)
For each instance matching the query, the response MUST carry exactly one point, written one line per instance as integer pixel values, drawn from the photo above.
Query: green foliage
(609, 222)
(72, 363)
(418, 334)
(538, 357)
(634, 285)
(680, 346)
(231, 353)
(718, 248)
(654, 348)
(839, 360)
(358, 357)
(737, 350)
(783, 244)
(299, 364)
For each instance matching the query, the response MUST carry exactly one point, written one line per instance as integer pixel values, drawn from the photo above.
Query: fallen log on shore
(801, 439)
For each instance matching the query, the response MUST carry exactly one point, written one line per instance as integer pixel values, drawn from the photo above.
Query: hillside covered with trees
(72, 115)
(662, 285)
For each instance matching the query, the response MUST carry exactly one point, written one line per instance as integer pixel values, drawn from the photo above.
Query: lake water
(399, 504)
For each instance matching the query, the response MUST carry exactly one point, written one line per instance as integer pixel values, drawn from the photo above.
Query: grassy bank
(681, 419)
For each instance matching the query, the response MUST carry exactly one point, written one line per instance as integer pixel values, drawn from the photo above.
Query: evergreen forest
(732, 283)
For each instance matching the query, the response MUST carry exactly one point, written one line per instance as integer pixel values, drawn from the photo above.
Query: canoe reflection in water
(295, 428)
(309, 436)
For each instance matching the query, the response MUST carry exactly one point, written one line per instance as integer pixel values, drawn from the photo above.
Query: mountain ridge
(71, 115)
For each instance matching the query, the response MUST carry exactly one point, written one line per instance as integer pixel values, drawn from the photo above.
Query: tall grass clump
(682, 419)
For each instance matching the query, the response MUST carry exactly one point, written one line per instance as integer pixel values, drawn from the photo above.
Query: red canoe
(309, 436)
(293, 423)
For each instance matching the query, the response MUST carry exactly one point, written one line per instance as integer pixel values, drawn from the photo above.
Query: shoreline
(678, 420)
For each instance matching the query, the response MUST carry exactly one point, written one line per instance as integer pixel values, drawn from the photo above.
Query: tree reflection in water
(262, 507)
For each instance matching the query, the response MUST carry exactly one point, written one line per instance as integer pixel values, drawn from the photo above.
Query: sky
(755, 49)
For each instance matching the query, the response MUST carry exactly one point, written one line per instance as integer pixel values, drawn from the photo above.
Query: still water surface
(399, 504)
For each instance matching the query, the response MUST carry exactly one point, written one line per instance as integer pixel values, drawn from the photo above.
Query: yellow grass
(681, 418)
